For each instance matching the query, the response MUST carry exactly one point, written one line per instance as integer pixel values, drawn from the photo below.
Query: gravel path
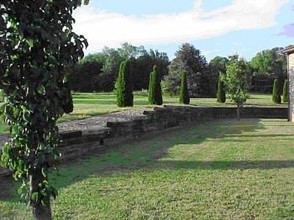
(93, 123)
(99, 122)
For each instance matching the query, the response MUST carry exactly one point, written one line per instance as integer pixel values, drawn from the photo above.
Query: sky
(215, 27)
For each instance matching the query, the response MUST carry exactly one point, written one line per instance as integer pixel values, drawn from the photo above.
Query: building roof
(288, 50)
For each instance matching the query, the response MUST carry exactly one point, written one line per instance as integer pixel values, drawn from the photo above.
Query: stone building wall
(291, 85)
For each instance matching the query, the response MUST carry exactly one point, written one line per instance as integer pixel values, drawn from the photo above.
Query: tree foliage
(98, 72)
(87, 77)
(184, 93)
(189, 59)
(37, 48)
(154, 90)
(266, 66)
(269, 61)
(286, 91)
(124, 85)
(237, 81)
(221, 91)
(276, 92)
(216, 67)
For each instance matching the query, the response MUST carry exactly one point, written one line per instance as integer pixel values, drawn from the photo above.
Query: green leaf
(15, 129)
(35, 196)
(30, 42)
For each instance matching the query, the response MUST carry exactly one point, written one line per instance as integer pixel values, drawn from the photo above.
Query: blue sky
(216, 27)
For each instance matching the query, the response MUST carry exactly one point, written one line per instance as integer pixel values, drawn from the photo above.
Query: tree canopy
(37, 48)
(269, 61)
(105, 67)
(190, 60)
(237, 81)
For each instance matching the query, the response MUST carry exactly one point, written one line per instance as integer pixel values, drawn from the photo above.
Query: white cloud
(103, 28)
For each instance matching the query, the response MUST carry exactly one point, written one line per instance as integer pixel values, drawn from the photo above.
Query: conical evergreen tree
(154, 90)
(221, 92)
(276, 96)
(285, 91)
(184, 94)
(124, 85)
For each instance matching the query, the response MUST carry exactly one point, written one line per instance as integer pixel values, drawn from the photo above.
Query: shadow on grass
(230, 165)
(263, 135)
(150, 153)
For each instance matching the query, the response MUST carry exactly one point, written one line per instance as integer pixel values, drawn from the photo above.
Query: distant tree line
(98, 72)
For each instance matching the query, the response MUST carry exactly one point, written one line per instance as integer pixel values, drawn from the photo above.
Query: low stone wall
(169, 116)
(76, 144)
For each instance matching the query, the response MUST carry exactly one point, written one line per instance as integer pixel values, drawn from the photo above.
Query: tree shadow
(230, 165)
(149, 153)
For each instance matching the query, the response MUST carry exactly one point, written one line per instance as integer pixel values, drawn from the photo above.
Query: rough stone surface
(82, 137)
(100, 122)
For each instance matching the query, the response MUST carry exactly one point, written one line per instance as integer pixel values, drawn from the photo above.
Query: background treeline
(98, 72)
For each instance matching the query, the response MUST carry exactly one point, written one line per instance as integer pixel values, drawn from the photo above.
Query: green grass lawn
(90, 104)
(225, 169)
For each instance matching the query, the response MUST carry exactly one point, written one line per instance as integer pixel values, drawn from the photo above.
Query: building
(289, 51)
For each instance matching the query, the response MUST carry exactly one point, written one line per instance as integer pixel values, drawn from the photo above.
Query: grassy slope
(218, 170)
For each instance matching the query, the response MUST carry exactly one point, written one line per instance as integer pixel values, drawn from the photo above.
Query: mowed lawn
(224, 169)
(90, 104)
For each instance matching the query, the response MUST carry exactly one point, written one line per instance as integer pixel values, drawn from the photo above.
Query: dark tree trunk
(40, 212)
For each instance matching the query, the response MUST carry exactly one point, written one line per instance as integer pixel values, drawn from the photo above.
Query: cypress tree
(276, 96)
(221, 92)
(184, 94)
(285, 91)
(151, 88)
(124, 85)
(154, 90)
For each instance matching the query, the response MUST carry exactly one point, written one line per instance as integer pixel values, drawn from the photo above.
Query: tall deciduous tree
(37, 47)
(154, 91)
(237, 81)
(269, 61)
(124, 85)
(184, 93)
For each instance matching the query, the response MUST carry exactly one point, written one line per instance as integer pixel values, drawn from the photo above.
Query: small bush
(276, 96)
(184, 94)
(285, 91)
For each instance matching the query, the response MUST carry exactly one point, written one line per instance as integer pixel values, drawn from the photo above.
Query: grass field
(90, 104)
(226, 169)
